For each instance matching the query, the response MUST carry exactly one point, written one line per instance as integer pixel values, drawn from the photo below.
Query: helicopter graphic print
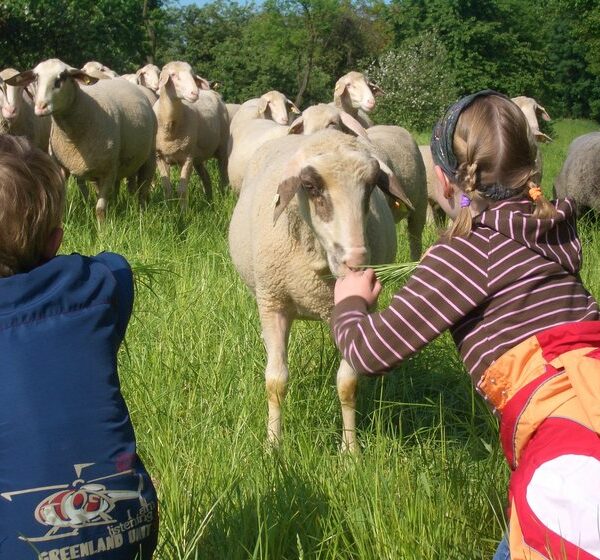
(67, 508)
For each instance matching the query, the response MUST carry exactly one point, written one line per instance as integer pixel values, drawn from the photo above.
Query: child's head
(32, 193)
(486, 148)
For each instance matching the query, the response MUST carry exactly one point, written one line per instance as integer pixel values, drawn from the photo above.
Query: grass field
(430, 481)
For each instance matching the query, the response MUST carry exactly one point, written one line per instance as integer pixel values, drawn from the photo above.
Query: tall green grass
(430, 481)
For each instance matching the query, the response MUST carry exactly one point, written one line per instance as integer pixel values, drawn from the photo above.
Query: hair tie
(535, 193)
(464, 201)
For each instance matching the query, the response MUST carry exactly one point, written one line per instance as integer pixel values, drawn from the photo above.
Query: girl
(505, 281)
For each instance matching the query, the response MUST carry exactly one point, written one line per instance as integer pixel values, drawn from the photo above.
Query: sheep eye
(311, 189)
(57, 83)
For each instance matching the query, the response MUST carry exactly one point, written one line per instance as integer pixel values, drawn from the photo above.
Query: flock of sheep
(320, 191)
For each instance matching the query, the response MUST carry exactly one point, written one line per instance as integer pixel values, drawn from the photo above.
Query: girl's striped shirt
(512, 277)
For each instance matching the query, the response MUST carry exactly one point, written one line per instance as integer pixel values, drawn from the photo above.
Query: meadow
(430, 479)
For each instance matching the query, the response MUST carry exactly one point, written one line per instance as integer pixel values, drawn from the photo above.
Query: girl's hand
(361, 283)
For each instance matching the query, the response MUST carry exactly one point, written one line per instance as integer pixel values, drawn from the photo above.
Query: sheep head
(148, 76)
(98, 70)
(532, 111)
(276, 106)
(11, 97)
(354, 91)
(56, 83)
(332, 177)
(178, 79)
(323, 116)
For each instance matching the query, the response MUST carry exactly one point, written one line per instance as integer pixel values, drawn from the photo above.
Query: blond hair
(495, 152)
(32, 194)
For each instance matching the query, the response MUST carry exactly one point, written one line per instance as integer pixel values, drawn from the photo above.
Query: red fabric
(555, 437)
(561, 339)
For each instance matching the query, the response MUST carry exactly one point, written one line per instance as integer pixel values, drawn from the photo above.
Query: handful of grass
(394, 272)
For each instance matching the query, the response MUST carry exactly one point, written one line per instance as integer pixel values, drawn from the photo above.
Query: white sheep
(309, 208)
(322, 116)
(255, 122)
(397, 153)
(532, 110)
(102, 132)
(397, 148)
(434, 213)
(354, 94)
(232, 109)
(98, 70)
(148, 76)
(579, 176)
(193, 126)
(17, 115)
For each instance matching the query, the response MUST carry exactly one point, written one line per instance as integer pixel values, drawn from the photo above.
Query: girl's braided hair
(486, 147)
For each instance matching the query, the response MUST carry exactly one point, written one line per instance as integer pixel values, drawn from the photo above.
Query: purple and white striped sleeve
(450, 281)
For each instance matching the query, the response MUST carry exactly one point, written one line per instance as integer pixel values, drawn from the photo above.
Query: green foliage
(573, 82)
(76, 31)
(418, 80)
(546, 49)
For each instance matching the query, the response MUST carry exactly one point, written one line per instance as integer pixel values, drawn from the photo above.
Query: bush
(418, 81)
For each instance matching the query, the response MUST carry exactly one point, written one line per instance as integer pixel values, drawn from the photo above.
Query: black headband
(443, 132)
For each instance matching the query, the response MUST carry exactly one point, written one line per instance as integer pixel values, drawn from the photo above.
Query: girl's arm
(450, 281)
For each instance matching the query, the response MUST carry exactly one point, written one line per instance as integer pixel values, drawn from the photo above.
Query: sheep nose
(370, 103)
(41, 108)
(355, 257)
(9, 112)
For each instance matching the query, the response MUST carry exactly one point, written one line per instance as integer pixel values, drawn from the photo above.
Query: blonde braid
(543, 207)
(466, 177)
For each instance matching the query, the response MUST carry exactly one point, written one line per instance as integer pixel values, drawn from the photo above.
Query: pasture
(430, 481)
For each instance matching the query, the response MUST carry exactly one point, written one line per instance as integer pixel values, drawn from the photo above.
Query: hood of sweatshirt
(554, 238)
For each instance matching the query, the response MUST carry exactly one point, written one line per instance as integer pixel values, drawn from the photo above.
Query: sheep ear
(541, 137)
(201, 82)
(297, 127)
(22, 79)
(353, 125)
(542, 113)
(375, 89)
(163, 79)
(340, 88)
(390, 185)
(293, 107)
(263, 104)
(81, 76)
(141, 77)
(286, 190)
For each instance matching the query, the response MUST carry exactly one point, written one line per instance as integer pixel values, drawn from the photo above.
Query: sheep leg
(275, 331)
(347, 380)
(182, 191)
(83, 188)
(223, 176)
(105, 188)
(415, 231)
(145, 175)
(205, 178)
(165, 179)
